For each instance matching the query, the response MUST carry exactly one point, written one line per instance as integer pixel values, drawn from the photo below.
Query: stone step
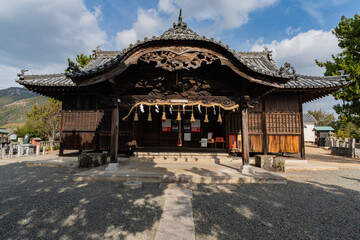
(169, 159)
(181, 154)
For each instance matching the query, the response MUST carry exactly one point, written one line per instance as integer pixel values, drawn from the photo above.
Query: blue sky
(40, 35)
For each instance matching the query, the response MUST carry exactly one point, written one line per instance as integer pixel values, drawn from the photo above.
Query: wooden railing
(283, 123)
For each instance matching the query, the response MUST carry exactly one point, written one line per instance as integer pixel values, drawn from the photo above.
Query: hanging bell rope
(149, 117)
(192, 119)
(219, 118)
(170, 104)
(206, 120)
(163, 118)
(178, 118)
(136, 117)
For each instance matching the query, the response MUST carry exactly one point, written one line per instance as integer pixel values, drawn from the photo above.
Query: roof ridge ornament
(22, 74)
(268, 52)
(180, 22)
(180, 30)
(73, 68)
(97, 50)
(285, 70)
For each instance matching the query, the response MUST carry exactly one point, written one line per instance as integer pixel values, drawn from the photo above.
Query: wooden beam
(114, 134)
(245, 131)
(302, 141)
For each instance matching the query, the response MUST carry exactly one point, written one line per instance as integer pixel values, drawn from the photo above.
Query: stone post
(353, 143)
(38, 150)
(337, 143)
(43, 152)
(26, 151)
(18, 150)
(10, 152)
(2, 153)
(346, 143)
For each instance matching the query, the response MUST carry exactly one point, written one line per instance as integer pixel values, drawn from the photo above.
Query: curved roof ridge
(328, 78)
(32, 76)
(180, 32)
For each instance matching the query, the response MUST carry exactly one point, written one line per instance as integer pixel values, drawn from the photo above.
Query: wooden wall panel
(290, 144)
(104, 141)
(256, 143)
(284, 143)
(81, 120)
(79, 140)
(255, 123)
(274, 144)
(283, 123)
(281, 102)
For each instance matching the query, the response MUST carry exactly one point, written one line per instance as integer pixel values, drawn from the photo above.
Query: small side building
(323, 134)
(309, 124)
(4, 138)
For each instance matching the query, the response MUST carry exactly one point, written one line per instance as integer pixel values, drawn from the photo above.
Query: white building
(309, 124)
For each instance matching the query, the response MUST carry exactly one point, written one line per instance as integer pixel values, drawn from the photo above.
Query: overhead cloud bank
(41, 35)
(225, 14)
(148, 23)
(302, 50)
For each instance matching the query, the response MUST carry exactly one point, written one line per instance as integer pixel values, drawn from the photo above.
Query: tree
(81, 60)
(323, 118)
(43, 121)
(21, 131)
(348, 35)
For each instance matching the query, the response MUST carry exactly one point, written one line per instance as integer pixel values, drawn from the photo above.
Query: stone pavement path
(177, 218)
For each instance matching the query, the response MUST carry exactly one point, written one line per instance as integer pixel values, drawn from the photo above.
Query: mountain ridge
(15, 103)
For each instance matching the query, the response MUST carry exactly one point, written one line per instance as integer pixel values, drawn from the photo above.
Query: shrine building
(185, 93)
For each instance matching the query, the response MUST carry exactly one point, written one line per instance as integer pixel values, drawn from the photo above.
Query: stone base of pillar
(246, 169)
(112, 167)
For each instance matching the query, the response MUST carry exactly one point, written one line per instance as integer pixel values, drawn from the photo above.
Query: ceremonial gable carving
(172, 61)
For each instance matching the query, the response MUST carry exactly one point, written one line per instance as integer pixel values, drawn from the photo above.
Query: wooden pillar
(61, 147)
(245, 131)
(114, 134)
(264, 130)
(302, 144)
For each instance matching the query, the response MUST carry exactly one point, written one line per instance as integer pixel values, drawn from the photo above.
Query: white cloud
(8, 76)
(302, 50)
(225, 14)
(148, 23)
(291, 31)
(41, 34)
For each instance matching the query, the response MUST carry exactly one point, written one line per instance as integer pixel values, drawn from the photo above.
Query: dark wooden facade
(274, 126)
(260, 104)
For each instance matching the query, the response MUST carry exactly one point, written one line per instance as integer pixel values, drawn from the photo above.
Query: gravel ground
(313, 205)
(44, 203)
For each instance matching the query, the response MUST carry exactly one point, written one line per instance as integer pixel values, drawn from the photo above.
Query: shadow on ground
(44, 203)
(325, 207)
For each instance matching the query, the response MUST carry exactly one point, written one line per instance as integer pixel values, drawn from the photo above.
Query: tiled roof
(50, 80)
(3, 130)
(303, 81)
(308, 118)
(260, 62)
(323, 128)
(258, 59)
(263, 64)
